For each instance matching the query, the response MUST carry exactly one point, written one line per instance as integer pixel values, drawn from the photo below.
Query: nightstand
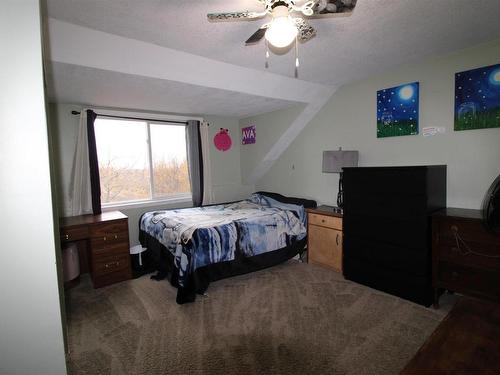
(324, 237)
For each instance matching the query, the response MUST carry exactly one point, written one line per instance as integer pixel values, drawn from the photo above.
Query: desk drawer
(111, 278)
(101, 248)
(112, 263)
(110, 240)
(109, 230)
(325, 221)
(74, 233)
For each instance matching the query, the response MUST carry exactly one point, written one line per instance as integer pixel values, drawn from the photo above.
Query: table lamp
(334, 161)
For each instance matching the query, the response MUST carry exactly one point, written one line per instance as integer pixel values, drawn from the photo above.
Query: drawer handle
(115, 264)
(464, 249)
(104, 238)
(116, 237)
(322, 220)
(337, 239)
(66, 237)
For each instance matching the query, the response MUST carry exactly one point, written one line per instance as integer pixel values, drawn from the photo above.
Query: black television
(491, 207)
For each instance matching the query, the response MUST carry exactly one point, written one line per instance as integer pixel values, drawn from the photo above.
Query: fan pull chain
(296, 58)
(267, 55)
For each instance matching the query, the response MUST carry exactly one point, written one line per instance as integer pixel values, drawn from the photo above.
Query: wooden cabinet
(324, 237)
(465, 256)
(106, 250)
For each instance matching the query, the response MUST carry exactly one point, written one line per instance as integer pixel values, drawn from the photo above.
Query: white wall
(226, 174)
(349, 121)
(226, 167)
(31, 335)
(269, 129)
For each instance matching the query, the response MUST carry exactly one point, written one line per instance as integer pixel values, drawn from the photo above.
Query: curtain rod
(135, 118)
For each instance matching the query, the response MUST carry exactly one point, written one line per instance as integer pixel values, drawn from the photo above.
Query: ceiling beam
(77, 45)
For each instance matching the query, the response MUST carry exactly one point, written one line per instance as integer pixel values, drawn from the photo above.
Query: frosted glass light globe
(281, 32)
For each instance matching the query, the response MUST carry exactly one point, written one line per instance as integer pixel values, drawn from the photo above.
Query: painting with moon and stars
(397, 111)
(477, 98)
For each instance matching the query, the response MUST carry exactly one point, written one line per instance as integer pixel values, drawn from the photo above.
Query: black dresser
(387, 227)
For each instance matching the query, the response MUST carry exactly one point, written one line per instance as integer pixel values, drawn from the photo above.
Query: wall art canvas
(248, 135)
(397, 111)
(477, 98)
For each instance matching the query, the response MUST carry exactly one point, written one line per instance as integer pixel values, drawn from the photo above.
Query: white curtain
(208, 195)
(80, 194)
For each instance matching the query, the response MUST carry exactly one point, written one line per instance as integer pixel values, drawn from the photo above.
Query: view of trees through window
(140, 160)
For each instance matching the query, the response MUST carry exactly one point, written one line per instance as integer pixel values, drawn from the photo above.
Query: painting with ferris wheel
(477, 98)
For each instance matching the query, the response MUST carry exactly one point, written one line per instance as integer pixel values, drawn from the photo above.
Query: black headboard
(307, 203)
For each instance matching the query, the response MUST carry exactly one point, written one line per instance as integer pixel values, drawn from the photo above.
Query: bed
(195, 246)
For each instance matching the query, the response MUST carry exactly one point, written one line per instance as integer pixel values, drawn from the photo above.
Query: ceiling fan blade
(256, 36)
(234, 16)
(306, 31)
(327, 9)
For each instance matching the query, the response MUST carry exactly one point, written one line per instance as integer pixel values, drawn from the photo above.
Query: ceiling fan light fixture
(282, 31)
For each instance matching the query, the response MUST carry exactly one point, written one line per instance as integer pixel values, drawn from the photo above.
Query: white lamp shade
(334, 161)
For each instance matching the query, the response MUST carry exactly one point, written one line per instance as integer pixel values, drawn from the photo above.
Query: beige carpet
(295, 318)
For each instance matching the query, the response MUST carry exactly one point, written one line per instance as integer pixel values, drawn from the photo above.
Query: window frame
(149, 118)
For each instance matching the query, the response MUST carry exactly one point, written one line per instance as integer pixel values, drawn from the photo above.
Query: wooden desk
(324, 237)
(103, 244)
(466, 342)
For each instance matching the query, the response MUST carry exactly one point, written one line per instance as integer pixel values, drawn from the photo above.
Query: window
(141, 160)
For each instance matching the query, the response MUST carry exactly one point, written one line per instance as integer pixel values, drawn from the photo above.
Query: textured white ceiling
(380, 33)
(103, 88)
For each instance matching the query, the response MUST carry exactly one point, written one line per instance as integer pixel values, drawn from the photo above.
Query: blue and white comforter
(200, 236)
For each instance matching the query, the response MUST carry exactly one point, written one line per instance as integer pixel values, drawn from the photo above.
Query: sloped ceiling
(164, 55)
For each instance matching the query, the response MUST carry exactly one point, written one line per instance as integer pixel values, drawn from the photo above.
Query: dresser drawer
(472, 280)
(325, 221)
(467, 230)
(109, 230)
(459, 253)
(74, 233)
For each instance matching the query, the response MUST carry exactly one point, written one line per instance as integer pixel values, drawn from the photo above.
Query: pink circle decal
(222, 140)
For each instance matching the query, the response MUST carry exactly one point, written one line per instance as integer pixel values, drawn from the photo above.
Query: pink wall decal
(222, 140)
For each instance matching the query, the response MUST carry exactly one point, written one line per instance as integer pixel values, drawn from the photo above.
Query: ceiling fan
(283, 28)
